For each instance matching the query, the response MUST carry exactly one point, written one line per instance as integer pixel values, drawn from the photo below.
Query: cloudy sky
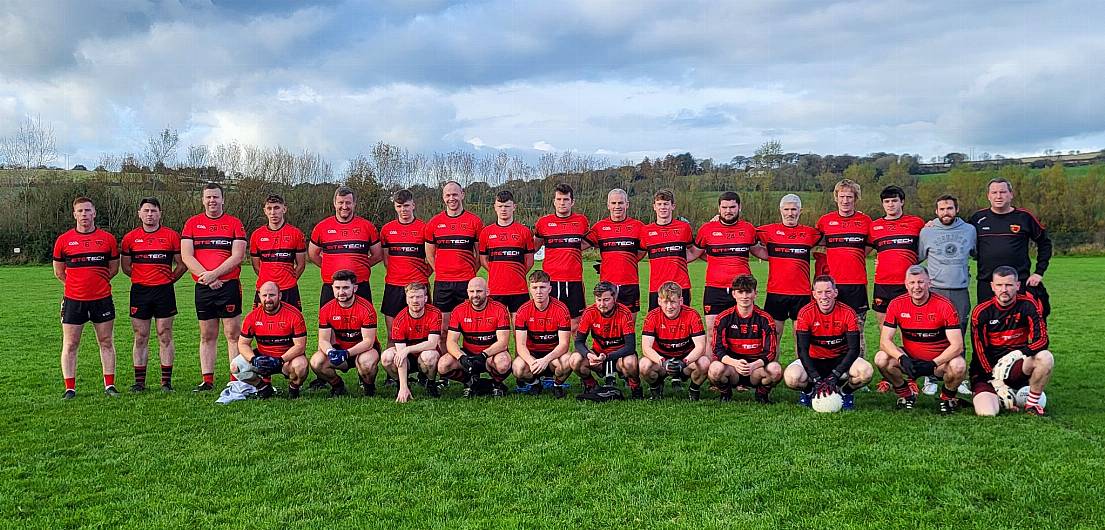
(623, 79)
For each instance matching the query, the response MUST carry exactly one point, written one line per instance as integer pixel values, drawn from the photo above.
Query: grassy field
(180, 461)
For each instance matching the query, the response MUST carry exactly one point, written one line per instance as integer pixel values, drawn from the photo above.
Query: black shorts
(364, 290)
(715, 300)
(513, 302)
(1039, 292)
(224, 302)
(654, 299)
(82, 311)
(571, 293)
(854, 296)
(883, 294)
(290, 296)
(395, 300)
(630, 296)
(152, 301)
(785, 306)
(448, 295)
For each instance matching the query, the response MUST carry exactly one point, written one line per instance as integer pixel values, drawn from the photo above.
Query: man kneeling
(746, 347)
(542, 337)
(673, 344)
(416, 332)
(281, 337)
(347, 337)
(827, 334)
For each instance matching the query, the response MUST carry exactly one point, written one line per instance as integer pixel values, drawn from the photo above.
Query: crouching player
(746, 347)
(416, 332)
(614, 331)
(673, 344)
(1010, 343)
(281, 337)
(479, 334)
(346, 337)
(542, 337)
(828, 348)
(932, 342)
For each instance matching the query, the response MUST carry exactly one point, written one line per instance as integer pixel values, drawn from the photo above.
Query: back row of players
(454, 244)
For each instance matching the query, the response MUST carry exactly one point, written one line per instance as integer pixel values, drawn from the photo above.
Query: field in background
(181, 461)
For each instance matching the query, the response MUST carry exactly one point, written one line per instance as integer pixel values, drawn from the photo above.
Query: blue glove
(337, 357)
(266, 365)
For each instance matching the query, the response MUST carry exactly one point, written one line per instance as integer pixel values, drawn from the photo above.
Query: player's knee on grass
(883, 361)
(562, 367)
(521, 368)
(499, 364)
(1043, 360)
(388, 359)
(296, 370)
(986, 404)
(427, 361)
(649, 370)
(795, 376)
(718, 373)
(368, 363)
(955, 371)
(447, 364)
(860, 373)
(628, 366)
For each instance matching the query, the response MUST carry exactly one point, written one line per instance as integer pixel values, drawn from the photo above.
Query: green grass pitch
(180, 461)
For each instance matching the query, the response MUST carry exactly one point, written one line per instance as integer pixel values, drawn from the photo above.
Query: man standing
(346, 338)
(345, 241)
(85, 260)
(151, 257)
(563, 234)
(542, 338)
(212, 246)
(673, 344)
(668, 243)
(894, 237)
(479, 333)
(281, 336)
(946, 248)
(788, 245)
(726, 243)
(618, 238)
(278, 253)
(452, 241)
(416, 332)
(1003, 236)
(612, 327)
(506, 251)
(746, 349)
(845, 238)
(404, 244)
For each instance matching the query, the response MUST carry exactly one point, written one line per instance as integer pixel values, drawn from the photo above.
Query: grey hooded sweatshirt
(948, 250)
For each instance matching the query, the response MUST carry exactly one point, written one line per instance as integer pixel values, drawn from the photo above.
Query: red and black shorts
(79, 312)
(629, 295)
(654, 299)
(224, 302)
(290, 296)
(364, 290)
(785, 306)
(395, 300)
(513, 302)
(716, 300)
(448, 295)
(854, 296)
(571, 293)
(1017, 378)
(883, 294)
(152, 301)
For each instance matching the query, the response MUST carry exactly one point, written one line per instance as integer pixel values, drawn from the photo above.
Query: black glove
(908, 368)
(266, 365)
(920, 366)
(825, 387)
(473, 363)
(674, 367)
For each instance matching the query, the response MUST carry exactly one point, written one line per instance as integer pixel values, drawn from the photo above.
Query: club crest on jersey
(1015, 228)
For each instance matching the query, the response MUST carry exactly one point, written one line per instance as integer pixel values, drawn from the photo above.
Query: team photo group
(445, 325)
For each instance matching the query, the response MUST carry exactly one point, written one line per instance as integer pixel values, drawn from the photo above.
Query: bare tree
(110, 162)
(198, 156)
(161, 148)
(32, 145)
(228, 158)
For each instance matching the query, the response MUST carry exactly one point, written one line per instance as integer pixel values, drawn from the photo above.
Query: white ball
(1022, 397)
(829, 403)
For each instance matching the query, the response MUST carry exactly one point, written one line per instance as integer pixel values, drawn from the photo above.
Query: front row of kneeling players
(1009, 335)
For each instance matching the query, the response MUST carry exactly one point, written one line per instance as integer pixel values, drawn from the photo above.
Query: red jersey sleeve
(502, 318)
(891, 319)
(628, 325)
(299, 325)
(649, 327)
(247, 325)
(433, 319)
(803, 322)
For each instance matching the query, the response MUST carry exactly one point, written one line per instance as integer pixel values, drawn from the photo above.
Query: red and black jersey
(276, 250)
(746, 338)
(896, 243)
(788, 252)
(543, 327)
(827, 331)
(455, 241)
(345, 246)
(667, 246)
(479, 327)
(924, 327)
(274, 333)
(563, 245)
(345, 323)
(607, 331)
(405, 246)
(996, 331)
(151, 255)
(846, 246)
(674, 337)
(618, 243)
(213, 241)
(726, 249)
(1003, 240)
(506, 248)
(86, 258)
(406, 329)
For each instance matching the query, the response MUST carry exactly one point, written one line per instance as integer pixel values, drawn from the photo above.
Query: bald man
(479, 332)
(281, 336)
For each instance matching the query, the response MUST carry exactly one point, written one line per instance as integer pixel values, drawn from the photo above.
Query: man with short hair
(151, 257)
(212, 246)
(673, 344)
(86, 258)
(345, 241)
(1004, 233)
(479, 334)
(612, 327)
(563, 233)
(726, 243)
(542, 338)
(618, 238)
(894, 237)
(1010, 341)
(788, 246)
(404, 243)
(278, 253)
(932, 343)
(845, 239)
(746, 348)
(281, 336)
(416, 332)
(452, 250)
(946, 246)
(346, 337)
(506, 251)
(669, 243)
(829, 359)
